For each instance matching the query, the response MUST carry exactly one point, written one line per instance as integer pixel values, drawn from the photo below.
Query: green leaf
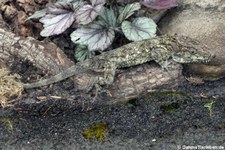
(82, 53)
(128, 11)
(139, 29)
(109, 17)
(97, 36)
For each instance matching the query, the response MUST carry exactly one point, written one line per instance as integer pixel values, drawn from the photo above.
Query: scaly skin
(164, 50)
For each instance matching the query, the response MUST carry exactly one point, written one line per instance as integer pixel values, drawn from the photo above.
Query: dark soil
(155, 121)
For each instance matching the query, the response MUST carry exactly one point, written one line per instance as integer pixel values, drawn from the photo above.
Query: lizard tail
(74, 70)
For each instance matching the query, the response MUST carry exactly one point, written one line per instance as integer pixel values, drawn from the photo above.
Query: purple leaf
(59, 17)
(159, 4)
(88, 13)
(60, 8)
(56, 24)
(96, 36)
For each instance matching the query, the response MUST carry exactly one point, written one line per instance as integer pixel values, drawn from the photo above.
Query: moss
(9, 87)
(170, 107)
(165, 95)
(213, 77)
(209, 106)
(97, 130)
(8, 123)
(222, 125)
(170, 94)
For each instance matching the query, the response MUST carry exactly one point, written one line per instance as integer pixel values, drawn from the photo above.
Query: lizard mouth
(206, 61)
(196, 60)
(211, 56)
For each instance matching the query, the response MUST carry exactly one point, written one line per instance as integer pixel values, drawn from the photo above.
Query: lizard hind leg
(106, 79)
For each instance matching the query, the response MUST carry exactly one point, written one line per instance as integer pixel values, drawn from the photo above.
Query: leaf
(59, 17)
(139, 29)
(96, 36)
(82, 53)
(128, 11)
(38, 14)
(67, 1)
(109, 17)
(56, 24)
(60, 8)
(75, 4)
(159, 4)
(88, 13)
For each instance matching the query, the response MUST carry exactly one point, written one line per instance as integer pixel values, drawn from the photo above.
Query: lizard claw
(99, 90)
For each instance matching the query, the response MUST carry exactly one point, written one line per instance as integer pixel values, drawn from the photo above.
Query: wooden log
(46, 56)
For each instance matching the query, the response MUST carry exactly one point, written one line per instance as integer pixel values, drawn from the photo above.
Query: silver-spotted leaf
(159, 4)
(128, 11)
(96, 36)
(139, 29)
(89, 12)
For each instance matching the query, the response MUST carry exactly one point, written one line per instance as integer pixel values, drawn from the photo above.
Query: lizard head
(191, 51)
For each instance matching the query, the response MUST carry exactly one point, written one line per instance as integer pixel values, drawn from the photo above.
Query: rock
(200, 19)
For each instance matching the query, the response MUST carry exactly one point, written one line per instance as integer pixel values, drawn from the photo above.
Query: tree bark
(142, 79)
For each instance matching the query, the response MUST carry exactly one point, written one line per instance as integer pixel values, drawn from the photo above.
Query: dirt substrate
(160, 121)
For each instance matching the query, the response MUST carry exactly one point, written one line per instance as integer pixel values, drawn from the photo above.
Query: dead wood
(46, 56)
(142, 79)
(206, 72)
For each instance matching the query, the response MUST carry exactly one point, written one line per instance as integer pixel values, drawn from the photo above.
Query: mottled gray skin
(163, 50)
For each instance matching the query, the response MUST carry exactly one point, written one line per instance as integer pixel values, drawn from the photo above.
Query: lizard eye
(192, 51)
(178, 54)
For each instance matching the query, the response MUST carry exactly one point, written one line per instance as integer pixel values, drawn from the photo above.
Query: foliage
(140, 28)
(81, 53)
(98, 21)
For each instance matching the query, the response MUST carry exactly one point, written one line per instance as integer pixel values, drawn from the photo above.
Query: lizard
(161, 49)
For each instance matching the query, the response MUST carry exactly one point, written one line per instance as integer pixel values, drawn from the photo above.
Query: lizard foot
(99, 90)
(170, 65)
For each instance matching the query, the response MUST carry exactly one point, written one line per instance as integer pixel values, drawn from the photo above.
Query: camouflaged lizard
(164, 50)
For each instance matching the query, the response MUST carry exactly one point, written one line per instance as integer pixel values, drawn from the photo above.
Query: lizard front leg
(162, 56)
(109, 73)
